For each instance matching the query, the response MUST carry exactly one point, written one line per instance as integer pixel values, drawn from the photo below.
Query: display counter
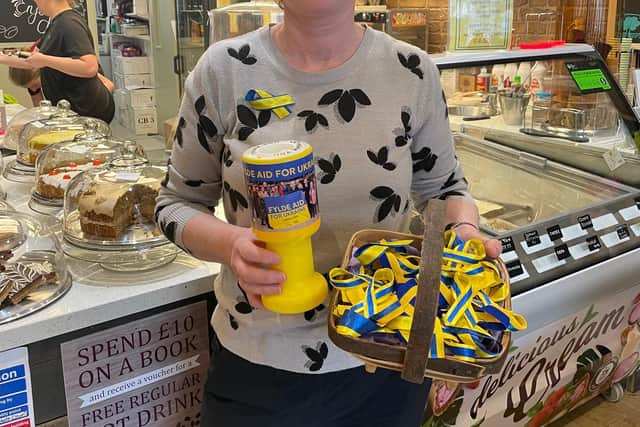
(97, 299)
(555, 169)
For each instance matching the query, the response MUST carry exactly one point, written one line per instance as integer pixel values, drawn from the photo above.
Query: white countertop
(98, 295)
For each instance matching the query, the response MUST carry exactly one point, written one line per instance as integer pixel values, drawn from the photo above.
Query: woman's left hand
(37, 60)
(492, 246)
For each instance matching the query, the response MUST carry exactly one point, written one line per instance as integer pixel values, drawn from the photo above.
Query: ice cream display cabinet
(548, 145)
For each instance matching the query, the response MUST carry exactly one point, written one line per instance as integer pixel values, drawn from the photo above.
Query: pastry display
(59, 164)
(33, 270)
(107, 209)
(18, 280)
(42, 141)
(53, 184)
(109, 215)
(39, 135)
(44, 111)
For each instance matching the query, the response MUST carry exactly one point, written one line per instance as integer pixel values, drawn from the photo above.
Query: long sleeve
(193, 184)
(436, 170)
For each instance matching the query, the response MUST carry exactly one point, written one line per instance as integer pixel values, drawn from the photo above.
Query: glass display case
(560, 103)
(33, 270)
(43, 111)
(109, 215)
(192, 37)
(58, 164)
(37, 135)
(241, 18)
(547, 142)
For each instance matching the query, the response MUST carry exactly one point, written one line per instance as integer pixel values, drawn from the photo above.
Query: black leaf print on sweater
(250, 121)
(235, 197)
(157, 211)
(194, 183)
(403, 135)
(412, 63)
(233, 322)
(243, 306)
(243, 55)
(313, 119)
(316, 356)
(169, 230)
(227, 160)
(181, 125)
(451, 181)
(329, 168)
(450, 194)
(311, 314)
(206, 128)
(347, 100)
(381, 158)
(423, 160)
(390, 201)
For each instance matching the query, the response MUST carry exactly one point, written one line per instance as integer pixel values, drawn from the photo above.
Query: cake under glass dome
(40, 134)
(58, 164)
(109, 215)
(33, 269)
(43, 111)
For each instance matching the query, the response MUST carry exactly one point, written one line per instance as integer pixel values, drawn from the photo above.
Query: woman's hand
(250, 261)
(37, 60)
(492, 246)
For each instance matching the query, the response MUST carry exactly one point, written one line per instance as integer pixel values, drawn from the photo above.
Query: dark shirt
(69, 36)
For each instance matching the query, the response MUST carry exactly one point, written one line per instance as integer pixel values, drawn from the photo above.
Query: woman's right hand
(249, 261)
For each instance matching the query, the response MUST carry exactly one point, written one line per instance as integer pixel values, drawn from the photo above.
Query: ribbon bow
(262, 100)
(378, 298)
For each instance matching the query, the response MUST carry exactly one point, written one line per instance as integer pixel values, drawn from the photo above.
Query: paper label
(613, 159)
(128, 176)
(78, 149)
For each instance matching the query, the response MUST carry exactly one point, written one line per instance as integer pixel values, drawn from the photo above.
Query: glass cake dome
(44, 111)
(40, 134)
(109, 215)
(57, 164)
(33, 270)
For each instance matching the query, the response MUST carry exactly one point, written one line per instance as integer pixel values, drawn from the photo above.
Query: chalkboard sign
(22, 22)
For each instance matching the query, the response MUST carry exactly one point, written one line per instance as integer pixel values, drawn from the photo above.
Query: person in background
(67, 62)
(356, 90)
(28, 79)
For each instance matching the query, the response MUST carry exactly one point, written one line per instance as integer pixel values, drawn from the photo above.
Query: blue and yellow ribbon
(378, 297)
(262, 100)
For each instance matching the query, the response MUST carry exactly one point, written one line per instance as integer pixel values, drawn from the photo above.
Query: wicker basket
(412, 361)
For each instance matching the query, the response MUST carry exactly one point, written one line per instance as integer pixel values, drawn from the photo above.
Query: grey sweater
(380, 133)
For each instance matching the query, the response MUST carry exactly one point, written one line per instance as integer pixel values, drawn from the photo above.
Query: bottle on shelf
(538, 74)
(510, 72)
(497, 78)
(483, 80)
(524, 71)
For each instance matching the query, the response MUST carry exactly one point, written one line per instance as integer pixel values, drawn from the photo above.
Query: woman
(355, 90)
(67, 62)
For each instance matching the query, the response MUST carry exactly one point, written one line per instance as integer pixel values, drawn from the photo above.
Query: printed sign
(475, 25)
(283, 196)
(147, 373)
(550, 371)
(631, 23)
(16, 400)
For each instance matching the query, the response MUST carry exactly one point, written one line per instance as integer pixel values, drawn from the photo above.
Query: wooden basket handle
(416, 355)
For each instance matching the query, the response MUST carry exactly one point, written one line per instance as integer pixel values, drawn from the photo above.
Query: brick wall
(596, 15)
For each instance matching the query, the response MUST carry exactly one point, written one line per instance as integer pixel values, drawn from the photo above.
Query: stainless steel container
(241, 18)
(513, 109)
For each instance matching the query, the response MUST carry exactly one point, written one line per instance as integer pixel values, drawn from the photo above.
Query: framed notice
(16, 400)
(150, 372)
(480, 25)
